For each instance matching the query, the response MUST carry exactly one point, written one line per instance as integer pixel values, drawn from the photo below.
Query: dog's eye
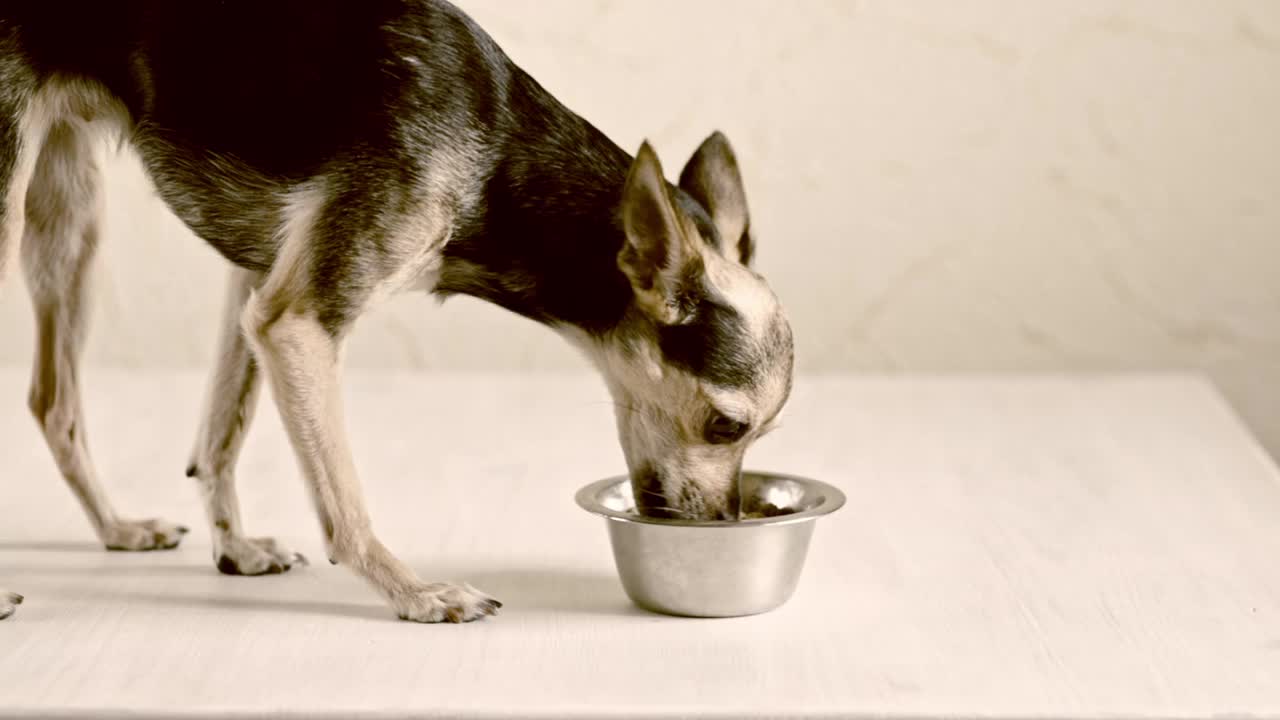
(723, 430)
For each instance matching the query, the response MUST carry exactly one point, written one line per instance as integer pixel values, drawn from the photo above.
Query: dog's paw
(9, 603)
(134, 535)
(255, 556)
(445, 602)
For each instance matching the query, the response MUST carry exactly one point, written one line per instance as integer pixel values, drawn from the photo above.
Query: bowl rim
(832, 500)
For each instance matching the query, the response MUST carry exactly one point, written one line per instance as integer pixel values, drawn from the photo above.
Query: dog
(337, 152)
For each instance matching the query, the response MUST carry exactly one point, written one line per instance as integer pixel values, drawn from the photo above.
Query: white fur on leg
(302, 361)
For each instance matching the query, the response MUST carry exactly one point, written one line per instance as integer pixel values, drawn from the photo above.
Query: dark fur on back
(235, 102)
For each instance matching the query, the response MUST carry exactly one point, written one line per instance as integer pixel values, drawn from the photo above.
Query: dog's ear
(711, 177)
(658, 256)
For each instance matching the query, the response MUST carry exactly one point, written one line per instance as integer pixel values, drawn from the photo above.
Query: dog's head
(702, 364)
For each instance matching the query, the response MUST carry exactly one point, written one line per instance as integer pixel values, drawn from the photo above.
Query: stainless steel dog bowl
(719, 568)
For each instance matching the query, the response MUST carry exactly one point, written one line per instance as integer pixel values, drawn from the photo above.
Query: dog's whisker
(679, 514)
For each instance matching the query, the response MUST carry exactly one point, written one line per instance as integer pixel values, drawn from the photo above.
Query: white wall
(979, 185)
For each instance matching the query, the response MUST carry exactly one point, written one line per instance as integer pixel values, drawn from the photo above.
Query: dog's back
(233, 106)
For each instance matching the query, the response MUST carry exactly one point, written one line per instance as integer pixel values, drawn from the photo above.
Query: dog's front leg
(302, 358)
(232, 396)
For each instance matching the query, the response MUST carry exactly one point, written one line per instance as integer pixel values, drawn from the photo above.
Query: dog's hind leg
(232, 397)
(63, 206)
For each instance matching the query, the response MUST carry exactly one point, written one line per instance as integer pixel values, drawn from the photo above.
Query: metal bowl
(721, 568)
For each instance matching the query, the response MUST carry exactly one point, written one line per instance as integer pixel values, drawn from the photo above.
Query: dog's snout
(651, 501)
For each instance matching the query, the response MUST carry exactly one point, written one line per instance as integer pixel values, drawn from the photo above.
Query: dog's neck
(543, 238)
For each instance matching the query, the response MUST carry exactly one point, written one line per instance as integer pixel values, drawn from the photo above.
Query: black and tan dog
(335, 152)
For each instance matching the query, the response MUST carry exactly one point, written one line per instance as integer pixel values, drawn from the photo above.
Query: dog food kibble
(767, 510)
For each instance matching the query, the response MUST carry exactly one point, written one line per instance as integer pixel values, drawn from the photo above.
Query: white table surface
(1012, 548)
